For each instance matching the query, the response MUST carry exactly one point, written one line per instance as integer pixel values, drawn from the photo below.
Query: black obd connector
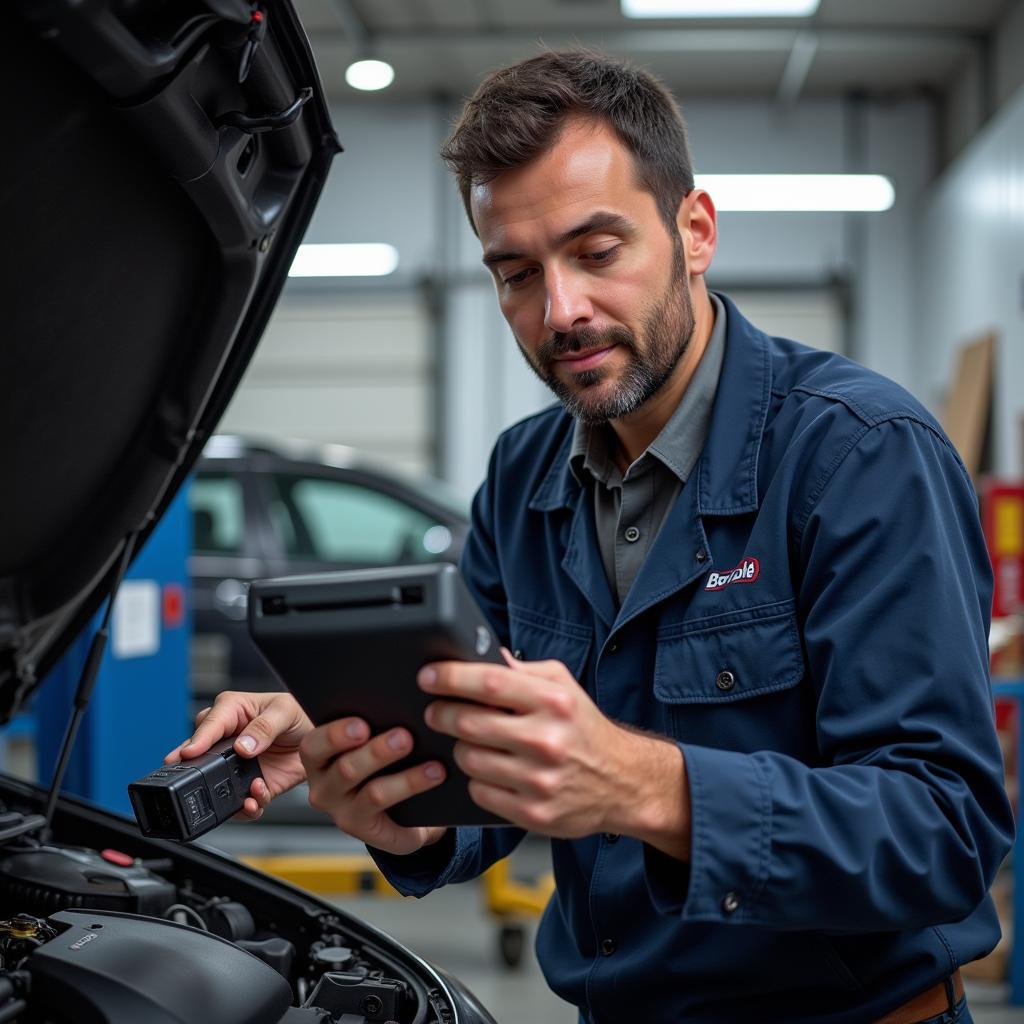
(184, 801)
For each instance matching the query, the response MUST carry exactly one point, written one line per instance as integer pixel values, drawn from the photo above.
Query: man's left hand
(540, 753)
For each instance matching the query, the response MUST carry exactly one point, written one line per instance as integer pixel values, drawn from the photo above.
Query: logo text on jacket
(746, 572)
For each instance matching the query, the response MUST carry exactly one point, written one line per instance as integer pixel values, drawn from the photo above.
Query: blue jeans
(959, 1015)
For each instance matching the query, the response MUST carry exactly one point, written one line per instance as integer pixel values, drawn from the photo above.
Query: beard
(666, 329)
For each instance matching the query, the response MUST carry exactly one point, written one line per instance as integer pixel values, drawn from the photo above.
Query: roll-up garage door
(813, 316)
(344, 369)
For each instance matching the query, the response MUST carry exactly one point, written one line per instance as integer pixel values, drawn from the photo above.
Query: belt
(930, 1003)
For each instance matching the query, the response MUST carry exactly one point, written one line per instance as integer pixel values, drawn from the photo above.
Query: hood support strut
(88, 678)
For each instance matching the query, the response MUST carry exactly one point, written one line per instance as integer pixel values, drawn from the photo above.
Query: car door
(326, 519)
(228, 551)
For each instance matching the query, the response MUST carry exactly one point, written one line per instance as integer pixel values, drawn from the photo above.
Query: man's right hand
(269, 726)
(339, 758)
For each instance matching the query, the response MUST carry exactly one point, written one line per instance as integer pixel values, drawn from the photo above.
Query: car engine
(99, 936)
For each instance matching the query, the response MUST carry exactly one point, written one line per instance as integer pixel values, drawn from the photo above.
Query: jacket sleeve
(904, 820)
(465, 852)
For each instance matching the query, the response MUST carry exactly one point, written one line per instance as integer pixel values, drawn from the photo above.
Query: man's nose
(566, 303)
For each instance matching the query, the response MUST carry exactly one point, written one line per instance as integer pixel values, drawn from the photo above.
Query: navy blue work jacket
(811, 627)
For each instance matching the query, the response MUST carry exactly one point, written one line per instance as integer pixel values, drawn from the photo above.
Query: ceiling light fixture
(719, 8)
(369, 75)
(364, 259)
(793, 193)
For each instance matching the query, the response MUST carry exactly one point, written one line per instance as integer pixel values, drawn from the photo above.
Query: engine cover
(51, 878)
(110, 968)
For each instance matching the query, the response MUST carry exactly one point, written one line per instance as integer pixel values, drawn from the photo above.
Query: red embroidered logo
(746, 572)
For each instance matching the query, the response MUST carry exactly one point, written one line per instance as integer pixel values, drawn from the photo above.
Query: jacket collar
(727, 469)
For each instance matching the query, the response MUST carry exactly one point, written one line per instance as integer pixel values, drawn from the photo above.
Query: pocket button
(725, 681)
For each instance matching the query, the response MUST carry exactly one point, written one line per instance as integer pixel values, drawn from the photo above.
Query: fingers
(324, 744)
(345, 744)
(339, 767)
(255, 803)
(514, 689)
(276, 718)
(380, 752)
(383, 792)
(261, 718)
(174, 756)
(486, 726)
(492, 766)
(339, 759)
(225, 718)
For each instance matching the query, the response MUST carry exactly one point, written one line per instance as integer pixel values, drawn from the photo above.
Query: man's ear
(698, 228)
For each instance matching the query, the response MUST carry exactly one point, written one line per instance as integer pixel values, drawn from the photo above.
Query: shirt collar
(680, 440)
(727, 468)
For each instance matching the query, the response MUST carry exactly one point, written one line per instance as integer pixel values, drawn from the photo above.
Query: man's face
(589, 278)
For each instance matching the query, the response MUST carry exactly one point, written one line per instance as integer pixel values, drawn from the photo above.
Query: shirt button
(632, 534)
(518, 654)
(730, 903)
(611, 837)
(613, 646)
(725, 681)
(701, 556)
(607, 947)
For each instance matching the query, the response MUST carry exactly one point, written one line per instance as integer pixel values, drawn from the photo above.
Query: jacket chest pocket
(536, 637)
(730, 680)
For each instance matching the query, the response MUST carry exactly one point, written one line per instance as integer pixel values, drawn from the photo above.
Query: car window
(337, 521)
(218, 517)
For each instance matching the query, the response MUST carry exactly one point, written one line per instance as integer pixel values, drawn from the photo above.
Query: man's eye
(604, 256)
(517, 278)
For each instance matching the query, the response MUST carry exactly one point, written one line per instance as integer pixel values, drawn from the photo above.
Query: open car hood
(152, 203)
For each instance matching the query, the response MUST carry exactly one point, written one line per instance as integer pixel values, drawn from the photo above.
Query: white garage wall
(343, 369)
(971, 274)
(814, 316)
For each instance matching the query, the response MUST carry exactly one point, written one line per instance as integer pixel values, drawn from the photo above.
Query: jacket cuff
(416, 874)
(731, 818)
(668, 880)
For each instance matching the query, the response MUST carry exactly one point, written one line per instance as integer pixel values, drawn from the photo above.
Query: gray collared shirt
(629, 508)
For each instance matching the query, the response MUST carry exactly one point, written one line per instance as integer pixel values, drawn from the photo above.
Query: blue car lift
(139, 707)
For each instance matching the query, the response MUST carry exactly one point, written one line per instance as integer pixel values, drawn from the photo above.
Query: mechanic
(748, 597)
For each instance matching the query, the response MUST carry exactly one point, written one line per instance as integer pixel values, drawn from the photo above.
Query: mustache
(584, 339)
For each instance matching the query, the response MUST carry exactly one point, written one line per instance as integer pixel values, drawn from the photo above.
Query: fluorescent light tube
(364, 259)
(838, 193)
(719, 8)
(369, 75)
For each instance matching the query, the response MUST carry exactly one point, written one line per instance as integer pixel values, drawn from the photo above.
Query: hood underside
(152, 204)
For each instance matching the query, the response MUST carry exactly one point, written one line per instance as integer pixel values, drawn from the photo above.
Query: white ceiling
(444, 47)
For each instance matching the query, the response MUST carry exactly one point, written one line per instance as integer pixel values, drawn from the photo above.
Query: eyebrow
(603, 220)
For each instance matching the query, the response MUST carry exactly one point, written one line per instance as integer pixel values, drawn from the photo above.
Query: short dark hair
(519, 111)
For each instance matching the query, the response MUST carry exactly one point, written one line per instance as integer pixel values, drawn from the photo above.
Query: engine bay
(100, 926)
